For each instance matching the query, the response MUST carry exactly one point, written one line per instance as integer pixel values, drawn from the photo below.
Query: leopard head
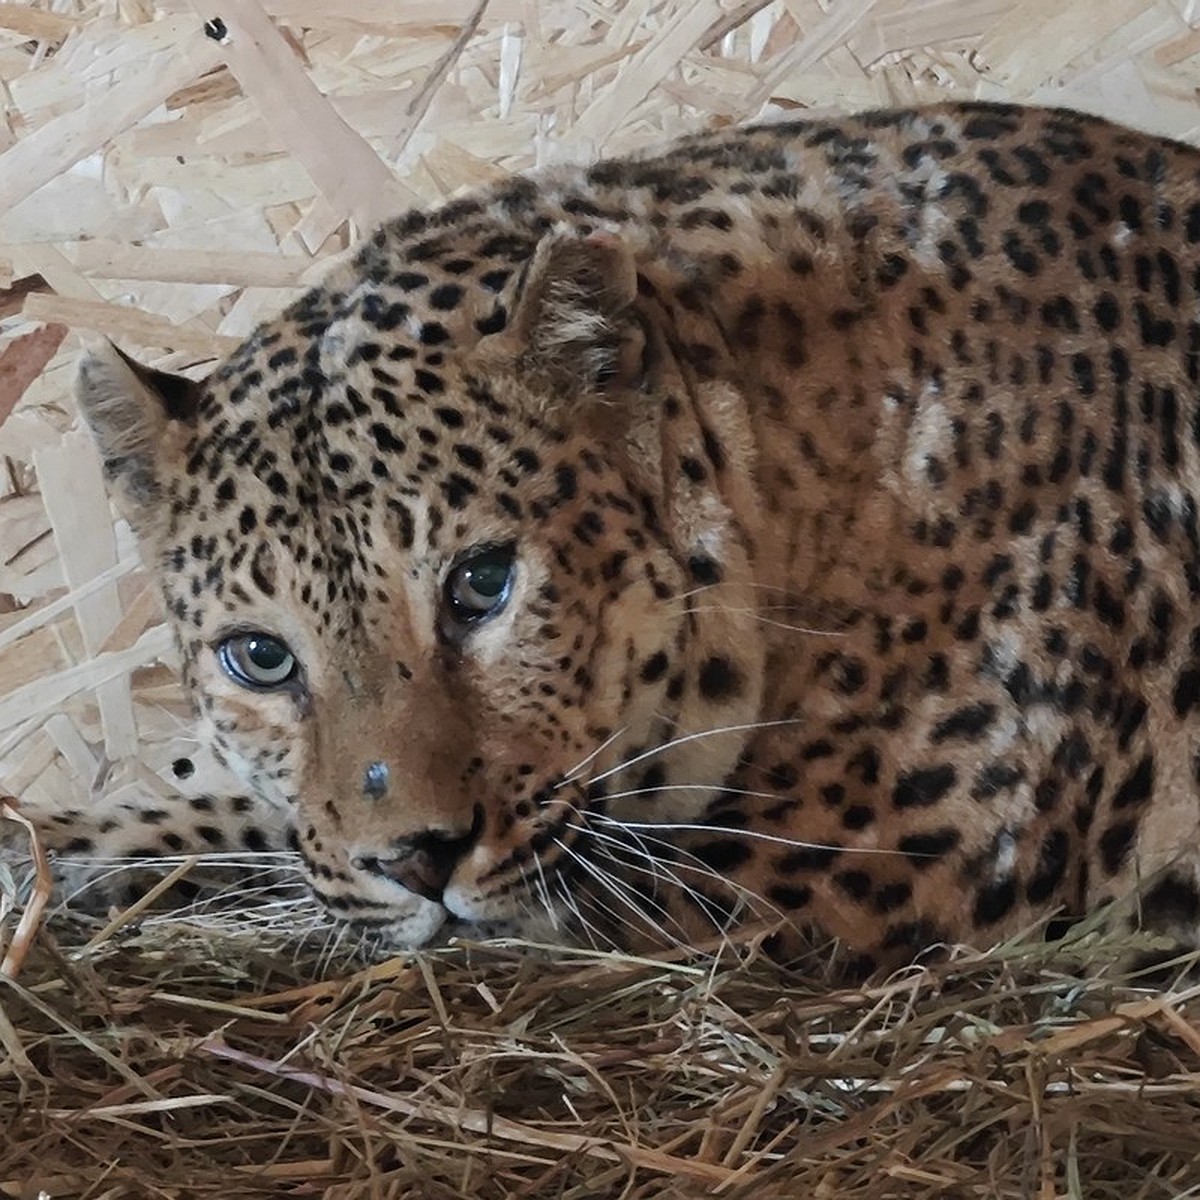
(431, 543)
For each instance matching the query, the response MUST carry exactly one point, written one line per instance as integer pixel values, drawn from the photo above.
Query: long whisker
(601, 877)
(589, 929)
(692, 787)
(544, 892)
(659, 869)
(620, 891)
(775, 839)
(728, 583)
(691, 737)
(757, 616)
(571, 775)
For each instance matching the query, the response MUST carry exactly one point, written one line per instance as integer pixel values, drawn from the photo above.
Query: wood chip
(22, 361)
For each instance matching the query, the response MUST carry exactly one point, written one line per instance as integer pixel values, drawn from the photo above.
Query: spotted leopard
(799, 524)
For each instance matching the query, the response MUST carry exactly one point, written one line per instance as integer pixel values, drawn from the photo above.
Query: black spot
(253, 839)
(655, 667)
(850, 675)
(856, 884)
(445, 297)
(566, 482)
(789, 896)
(924, 787)
(968, 722)
(1138, 785)
(211, 835)
(1047, 795)
(653, 778)
(911, 935)
(858, 816)
(993, 779)
(1050, 868)
(469, 456)
(1115, 844)
(783, 776)
(994, 901)
(924, 849)
(1187, 691)
(1172, 900)
(719, 679)
(1108, 313)
(723, 855)
(890, 897)
(704, 569)
(866, 763)
(809, 858)
(432, 385)
(494, 322)
(821, 748)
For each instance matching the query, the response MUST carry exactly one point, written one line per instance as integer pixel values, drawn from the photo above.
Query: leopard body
(849, 470)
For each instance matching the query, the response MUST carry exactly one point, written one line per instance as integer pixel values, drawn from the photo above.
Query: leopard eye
(257, 660)
(479, 585)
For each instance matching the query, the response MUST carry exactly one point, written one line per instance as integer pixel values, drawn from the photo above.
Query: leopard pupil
(487, 577)
(266, 653)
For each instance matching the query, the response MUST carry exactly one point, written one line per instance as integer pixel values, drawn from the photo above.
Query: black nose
(424, 863)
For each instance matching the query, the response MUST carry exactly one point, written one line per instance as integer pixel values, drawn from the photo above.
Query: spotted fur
(851, 468)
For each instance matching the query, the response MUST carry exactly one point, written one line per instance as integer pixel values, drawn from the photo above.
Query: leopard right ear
(568, 321)
(139, 418)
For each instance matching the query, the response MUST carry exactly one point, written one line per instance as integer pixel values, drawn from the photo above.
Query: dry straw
(171, 172)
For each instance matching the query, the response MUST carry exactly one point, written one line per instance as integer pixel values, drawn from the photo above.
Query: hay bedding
(171, 172)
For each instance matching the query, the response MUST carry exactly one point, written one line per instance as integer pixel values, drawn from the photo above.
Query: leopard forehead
(357, 412)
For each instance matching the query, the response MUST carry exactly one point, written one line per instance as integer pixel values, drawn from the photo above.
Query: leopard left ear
(572, 315)
(137, 416)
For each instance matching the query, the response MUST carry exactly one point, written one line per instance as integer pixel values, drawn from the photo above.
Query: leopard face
(428, 584)
(800, 523)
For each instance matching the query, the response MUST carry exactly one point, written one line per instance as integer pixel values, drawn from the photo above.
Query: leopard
(793, 523)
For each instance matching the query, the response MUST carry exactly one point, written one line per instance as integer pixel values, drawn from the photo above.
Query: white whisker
(660, 870)
(693, 787)
(726, 583)
(692, 737)
(620, 891)
(571, 775)
(544, 892)
(589, 930)
(757, 616)
(776, 839)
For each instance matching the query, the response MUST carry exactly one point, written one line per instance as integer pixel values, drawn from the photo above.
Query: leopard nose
(424, 863)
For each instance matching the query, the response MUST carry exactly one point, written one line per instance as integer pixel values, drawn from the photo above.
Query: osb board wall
(172, 171)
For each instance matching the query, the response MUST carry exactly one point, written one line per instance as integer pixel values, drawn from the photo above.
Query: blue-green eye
(479, 585)
(257, 660)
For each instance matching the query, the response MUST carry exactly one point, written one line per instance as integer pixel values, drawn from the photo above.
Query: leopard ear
(571, 317)
(138, 417)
